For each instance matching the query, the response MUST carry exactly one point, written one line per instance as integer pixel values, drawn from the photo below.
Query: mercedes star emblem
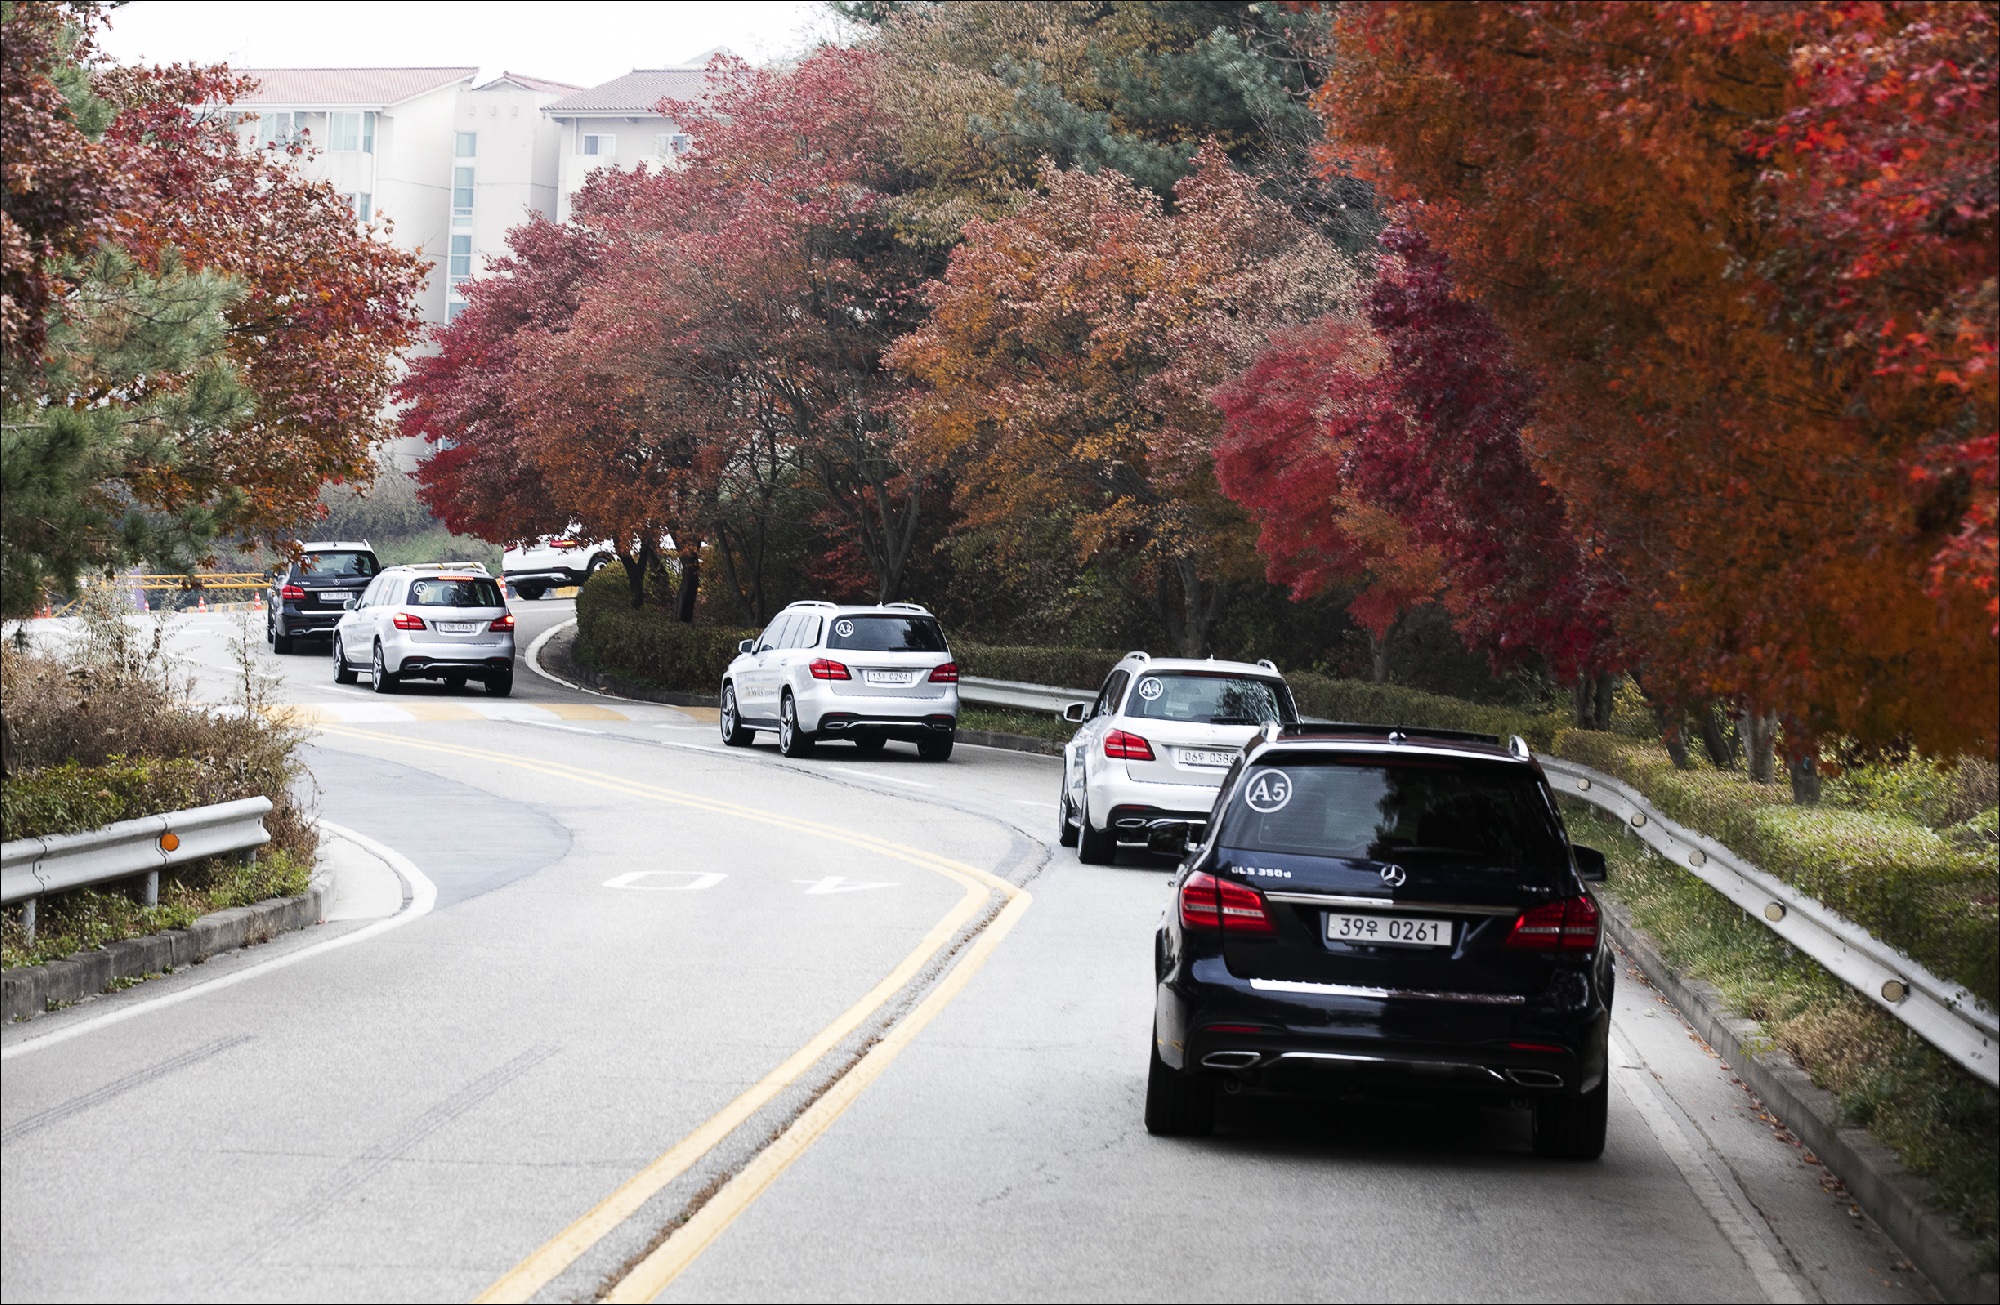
(1393, 876)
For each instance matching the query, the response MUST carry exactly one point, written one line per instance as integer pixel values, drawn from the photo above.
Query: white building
(619, 125)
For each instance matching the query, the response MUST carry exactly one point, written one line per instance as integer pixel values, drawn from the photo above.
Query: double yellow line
(661, 1266)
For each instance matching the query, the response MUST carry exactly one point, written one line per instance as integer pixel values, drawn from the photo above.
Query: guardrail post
(150, 894)
(28, 919)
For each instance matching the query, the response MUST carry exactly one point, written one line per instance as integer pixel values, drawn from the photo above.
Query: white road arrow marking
(836, 884)
(697, 880)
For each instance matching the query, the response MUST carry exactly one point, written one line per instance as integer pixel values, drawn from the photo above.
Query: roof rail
(812, 602)
(1519, 747)
(1142, 656)
(910, 607)
(1393, 733)
(1267, 663)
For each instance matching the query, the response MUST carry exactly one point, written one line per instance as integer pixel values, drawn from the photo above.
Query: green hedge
(70, 799)
(1363, 703)
(1063, 668)
(1936, 899)
(647, 644)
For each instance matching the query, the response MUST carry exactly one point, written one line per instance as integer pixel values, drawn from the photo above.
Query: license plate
(891, 677)
(1387, 930)
(1197, 757)
(458, 627)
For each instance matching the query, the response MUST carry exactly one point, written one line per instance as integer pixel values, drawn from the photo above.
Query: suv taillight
(292, 594)
(562, 543)
(504, 625)
(828, 669)
(409, 621)
(1566, 926)
(1129, 746)
(1211, 903)
(945, 674)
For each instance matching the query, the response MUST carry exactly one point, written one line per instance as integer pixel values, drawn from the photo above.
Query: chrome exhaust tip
(1534, 1078)
(1231, 1059)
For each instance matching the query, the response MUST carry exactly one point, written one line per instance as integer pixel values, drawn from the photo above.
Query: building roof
(365, 87)
(638, 91)
(527, 83)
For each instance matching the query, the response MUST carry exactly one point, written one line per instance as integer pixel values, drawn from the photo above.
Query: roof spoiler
(1393, 733)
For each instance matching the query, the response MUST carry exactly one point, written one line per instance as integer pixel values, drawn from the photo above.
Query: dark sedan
(1390, 912)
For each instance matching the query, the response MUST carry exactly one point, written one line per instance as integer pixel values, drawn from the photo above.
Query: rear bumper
(1129, 807)
(843, 724)
(1322, 1039)
(552, 575)
(823, 711)
(310, 623)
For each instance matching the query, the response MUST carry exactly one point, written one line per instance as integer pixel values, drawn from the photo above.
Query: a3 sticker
(1150, 689)
(1268, 791)
(845, 629)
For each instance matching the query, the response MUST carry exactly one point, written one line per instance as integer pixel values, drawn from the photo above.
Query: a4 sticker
(1150, 688)
(1268, 791)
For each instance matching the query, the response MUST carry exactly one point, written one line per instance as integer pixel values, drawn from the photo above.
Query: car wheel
(378, 673)
(281, 643)
(1065, 824)
(1572, 1128)
(530, 592)
(1178, 1105)
(342, 672)
(734, 733)
(792, 741)
(869, 745)
(454, 682)
(932, 747)
(1094, 846)
(500, 683)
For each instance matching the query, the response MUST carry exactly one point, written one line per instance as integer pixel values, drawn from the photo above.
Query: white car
(864, 674)
(1155, 745)
(553, 561)
(444, 622)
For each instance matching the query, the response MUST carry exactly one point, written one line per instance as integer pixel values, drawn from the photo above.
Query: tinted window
(886, 634)
(1209, 698)
(454, 591)
(1489, 813)
(805, 634)
(1107, 697)
(773, 633)
(336, 566)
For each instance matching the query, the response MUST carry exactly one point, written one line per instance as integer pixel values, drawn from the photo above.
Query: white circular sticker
(1150, 688)
(1268, 791)
(845, 629)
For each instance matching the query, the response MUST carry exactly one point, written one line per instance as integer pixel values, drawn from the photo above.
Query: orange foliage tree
(1742, 249)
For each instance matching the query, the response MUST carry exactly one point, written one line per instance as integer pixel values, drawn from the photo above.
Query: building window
(350, 133)
(599, 145)
(461, 191)
(671, 144)
(363, 205)
(468, 144)
(451, 312)
(460, 270)
(280, 128)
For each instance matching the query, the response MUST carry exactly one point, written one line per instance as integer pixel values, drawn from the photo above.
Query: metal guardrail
(1941, 1012)
(32, 867)
(983, 692)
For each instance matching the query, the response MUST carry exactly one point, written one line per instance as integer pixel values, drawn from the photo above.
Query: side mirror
(745, 645)
(1076, 713)
(1590, 865)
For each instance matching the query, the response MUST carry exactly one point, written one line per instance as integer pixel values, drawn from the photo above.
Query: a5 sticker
(1150, 689)
(845, 629)
(1268, 791)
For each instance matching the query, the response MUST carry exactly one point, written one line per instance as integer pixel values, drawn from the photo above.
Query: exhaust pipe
(1231, 1059)
(1534, 1078)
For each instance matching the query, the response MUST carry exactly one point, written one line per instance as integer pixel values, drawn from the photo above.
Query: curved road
(615, 1012)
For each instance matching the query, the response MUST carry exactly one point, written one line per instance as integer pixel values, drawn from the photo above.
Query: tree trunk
(1580, 702)
(1805, 781)
(1378, 655)
(1673, 734)
(1760, 738)
(690, 584)
(1713, 741)
(635, 573)
(1601, 707)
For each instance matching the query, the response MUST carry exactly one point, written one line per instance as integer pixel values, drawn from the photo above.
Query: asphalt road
(634, 1015)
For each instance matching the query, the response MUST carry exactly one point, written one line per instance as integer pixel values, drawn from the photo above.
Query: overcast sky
(581, 43)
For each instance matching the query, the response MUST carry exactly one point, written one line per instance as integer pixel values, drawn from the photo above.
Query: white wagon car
(1155, 745)
(553, 561)
(444, 622)
(864, 674)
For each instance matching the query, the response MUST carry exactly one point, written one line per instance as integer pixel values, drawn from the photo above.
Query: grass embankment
(104, 728)
(1942, 1120)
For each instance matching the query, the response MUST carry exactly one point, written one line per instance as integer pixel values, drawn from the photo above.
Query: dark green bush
(1063, 668)
(69, 799)
(1364, 703)
(647, 644)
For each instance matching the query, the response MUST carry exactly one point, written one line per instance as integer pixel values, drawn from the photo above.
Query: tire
(456, 683)
(1178, 1105)
(932, 748)
(342, 672)
(378, 673)
(530, 592)
(1094, 846)
(500, 684)
(735, 733)
(1065, 828)
(792, 741)
(281, 643)
(869, 745)
(1572, 1128)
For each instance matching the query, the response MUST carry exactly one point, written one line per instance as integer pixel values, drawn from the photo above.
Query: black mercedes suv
(309, 597)
(1389, 911)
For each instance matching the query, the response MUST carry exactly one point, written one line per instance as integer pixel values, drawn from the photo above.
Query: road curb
(605, 684)
(29, 989)
(1894, 1197)
(1011, 742)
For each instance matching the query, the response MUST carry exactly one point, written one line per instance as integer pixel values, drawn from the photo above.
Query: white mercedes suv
(864, 674)
(442, 621)
(1155, 745)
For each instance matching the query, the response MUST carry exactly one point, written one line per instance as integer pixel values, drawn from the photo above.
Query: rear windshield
(886, 634)
(1488, 813)
(1209, 698)
(455, 591)
(336, 566)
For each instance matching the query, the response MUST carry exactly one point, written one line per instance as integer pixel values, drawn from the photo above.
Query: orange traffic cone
(201, 602)
(257, 601)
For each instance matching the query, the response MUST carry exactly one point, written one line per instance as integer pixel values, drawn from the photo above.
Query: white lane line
(1033, 802)
(893, 779)
(1727, 1206)
(423, 896)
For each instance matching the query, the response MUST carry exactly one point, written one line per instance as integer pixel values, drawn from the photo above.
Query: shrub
(1064, 668)
(1361, 702)
(647, 644)
(69, 799)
